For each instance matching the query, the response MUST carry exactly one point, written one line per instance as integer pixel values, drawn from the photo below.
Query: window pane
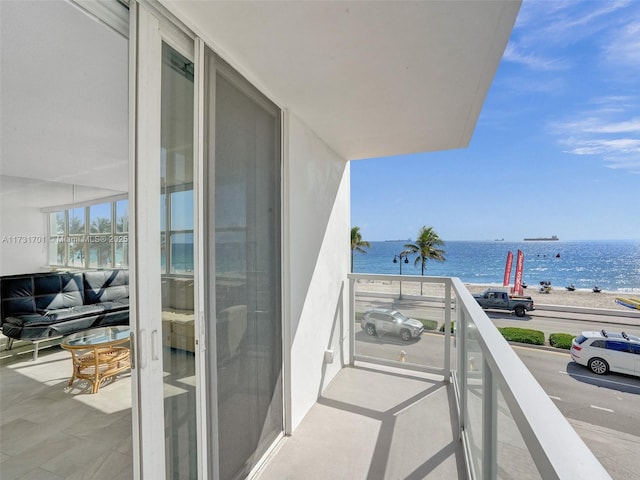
(99, 252)
(182, 253)
(76, 254)
(100, 218)
(619, 346)
(56, 223)
(182, 210)
(122, 216)
(163, 252)
(122, 254)
(163, 212)
(76, 221)
(57, 250)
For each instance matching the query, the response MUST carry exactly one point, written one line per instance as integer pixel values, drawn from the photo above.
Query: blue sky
(556, 149)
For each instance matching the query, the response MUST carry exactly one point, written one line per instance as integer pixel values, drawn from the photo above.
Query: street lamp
(398, 259)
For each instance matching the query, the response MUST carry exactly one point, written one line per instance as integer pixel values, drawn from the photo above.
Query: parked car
(382, 321)
(605, 351)
(496, 299)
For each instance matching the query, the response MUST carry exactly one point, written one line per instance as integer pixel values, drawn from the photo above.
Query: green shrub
(359, 316)
(453, 324)
(561, 340)
(428, 324)
(522, 335)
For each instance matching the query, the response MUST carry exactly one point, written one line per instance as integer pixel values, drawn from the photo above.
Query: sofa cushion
(20, 320)
(122, 304)
(17, 295)
(59, 290)
(64, 314)
(106, 285)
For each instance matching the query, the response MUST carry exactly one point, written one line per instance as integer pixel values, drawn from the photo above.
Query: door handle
(132, 351)
(154, 345)
(143, 360)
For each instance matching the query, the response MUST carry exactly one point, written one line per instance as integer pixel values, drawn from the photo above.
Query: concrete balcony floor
(373, 423)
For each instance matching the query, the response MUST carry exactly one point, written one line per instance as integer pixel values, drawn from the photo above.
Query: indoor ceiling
(64, 90)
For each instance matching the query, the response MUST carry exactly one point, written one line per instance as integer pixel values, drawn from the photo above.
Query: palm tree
(101, 225)
(426, 248)
(357, 244)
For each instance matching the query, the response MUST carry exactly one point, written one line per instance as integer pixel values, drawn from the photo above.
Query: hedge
(522, 335)
(428, 324)
(561, 340)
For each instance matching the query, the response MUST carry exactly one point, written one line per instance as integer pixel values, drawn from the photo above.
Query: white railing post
(461, 336)
(447, 331)
(352, 320)
(489, 424)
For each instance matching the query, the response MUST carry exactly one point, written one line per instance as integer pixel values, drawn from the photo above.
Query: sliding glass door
(207, 244)
(165, 268)
(242, 162)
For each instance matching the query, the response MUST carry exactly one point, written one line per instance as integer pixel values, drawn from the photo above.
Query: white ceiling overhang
(371, 78)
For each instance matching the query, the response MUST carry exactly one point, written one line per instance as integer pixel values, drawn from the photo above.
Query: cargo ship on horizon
(552, 238)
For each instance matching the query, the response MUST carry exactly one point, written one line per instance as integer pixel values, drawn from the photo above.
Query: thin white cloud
(595, 125)
(581, 19)
(513, 53)
(544, 30)
(601, 133)
(624, 45)
(543, 22)
(623, 163)
(612, 147)
(628, 126)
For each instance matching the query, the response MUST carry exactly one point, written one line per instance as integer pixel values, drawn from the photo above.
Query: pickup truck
(501, 300)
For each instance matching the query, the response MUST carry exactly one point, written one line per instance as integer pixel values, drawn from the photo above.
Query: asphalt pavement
(602, 409)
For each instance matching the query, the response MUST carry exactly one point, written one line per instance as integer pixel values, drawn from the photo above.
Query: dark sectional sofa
(40, 306)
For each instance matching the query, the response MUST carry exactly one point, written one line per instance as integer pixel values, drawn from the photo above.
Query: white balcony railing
(507, 422)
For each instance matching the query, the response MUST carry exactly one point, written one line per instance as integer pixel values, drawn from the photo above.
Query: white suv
(607, 351)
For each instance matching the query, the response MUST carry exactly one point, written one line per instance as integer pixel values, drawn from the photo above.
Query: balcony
(444, 405)
(452, 404)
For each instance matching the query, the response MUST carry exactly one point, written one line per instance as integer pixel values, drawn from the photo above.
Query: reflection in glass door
(177, 264)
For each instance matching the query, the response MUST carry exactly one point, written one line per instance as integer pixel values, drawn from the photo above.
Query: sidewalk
(631, 317)
(616, 451)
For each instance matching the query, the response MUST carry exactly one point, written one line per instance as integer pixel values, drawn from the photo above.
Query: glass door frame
(150, 25)
(148, 30)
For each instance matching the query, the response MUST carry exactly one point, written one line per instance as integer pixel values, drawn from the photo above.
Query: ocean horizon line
(506, 240)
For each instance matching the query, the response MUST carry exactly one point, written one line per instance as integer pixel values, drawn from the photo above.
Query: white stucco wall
(23, 229)
(318, 247)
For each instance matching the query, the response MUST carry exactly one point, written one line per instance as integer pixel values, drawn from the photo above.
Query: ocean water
(612, 265)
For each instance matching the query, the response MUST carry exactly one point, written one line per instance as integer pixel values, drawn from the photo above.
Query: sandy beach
(557, 296)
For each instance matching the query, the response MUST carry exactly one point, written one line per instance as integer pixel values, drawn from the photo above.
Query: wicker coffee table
(98, 354)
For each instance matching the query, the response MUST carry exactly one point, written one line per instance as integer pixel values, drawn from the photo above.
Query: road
(609, 401)
(602, 409)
